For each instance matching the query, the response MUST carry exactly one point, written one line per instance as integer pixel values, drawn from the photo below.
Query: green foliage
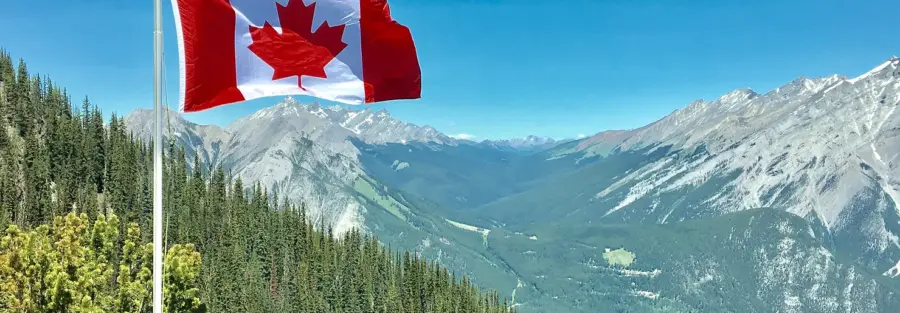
(619, 257)
(182, 269)
(69, 266)
(67, 180)
(758, 260)
(133, 280)
(739, 262)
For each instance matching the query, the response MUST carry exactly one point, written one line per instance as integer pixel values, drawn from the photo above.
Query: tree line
(64, 169)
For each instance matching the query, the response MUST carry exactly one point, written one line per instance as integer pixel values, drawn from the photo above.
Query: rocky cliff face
(301, 151)
(827, 149)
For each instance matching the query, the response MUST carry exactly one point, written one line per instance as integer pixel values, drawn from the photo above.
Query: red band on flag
(390, 65)
(217, 70)
(207, 31)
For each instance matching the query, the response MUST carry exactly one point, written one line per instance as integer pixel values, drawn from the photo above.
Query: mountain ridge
(822, 149)
(530, 143)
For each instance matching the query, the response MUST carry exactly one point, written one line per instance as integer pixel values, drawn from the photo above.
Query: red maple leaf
(297, 50)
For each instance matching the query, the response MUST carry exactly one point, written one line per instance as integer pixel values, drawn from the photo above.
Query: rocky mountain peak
(887, 70)
(820, 148)
(300, 150)
(338, 123)
(739, 94)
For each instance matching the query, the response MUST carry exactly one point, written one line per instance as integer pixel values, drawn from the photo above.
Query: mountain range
(781, 201)
(529, 143)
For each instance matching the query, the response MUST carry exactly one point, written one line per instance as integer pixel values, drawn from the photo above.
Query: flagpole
(157, 159)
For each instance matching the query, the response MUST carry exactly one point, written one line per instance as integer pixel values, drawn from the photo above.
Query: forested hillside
(75, 190)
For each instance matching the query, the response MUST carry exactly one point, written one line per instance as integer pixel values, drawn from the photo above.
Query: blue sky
(505, 68)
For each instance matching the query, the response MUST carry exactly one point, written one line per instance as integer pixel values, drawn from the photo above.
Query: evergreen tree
(21, 99)
(66, 179)
(7, 81)
(11, 192)
(97, 155)
(6, 181)
(37, 179)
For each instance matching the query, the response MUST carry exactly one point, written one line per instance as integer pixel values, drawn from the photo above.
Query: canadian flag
(349, 51)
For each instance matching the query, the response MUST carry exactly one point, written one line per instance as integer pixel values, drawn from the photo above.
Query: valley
(745, 203)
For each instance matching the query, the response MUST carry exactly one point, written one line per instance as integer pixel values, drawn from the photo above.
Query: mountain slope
(205, 141)
(824, 149)
(301, 151)
(821, 153)
(309, 154)
(460, 177)
(760, 260)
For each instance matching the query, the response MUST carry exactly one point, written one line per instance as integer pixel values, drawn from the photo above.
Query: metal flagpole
(157, 160)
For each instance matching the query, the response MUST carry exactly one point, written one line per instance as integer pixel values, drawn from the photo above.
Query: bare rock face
(827, 149)
(301, 151)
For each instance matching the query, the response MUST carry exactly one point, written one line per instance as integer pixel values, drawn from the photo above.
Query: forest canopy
(75, 192)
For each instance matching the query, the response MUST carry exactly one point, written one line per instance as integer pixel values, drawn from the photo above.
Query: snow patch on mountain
(471, 228)
(893, 271)
(463, 136)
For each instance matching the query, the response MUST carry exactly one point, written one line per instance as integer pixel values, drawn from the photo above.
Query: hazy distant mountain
(527, 144)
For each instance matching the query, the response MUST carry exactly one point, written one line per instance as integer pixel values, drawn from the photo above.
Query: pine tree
(37, 195)
(196, 205)
(259, 252)
(36, 105)
(70, 266)
(98, 149)
(7, 81)
(7, 172)
(21, 99)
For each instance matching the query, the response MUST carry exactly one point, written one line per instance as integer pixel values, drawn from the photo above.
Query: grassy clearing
(619, 257)
(367, 190)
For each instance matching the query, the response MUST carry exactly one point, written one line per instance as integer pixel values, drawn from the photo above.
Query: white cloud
(580, 136)
(463, 136)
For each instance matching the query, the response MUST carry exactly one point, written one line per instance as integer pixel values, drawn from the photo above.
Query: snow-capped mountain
(333, 125)
(528, 143)
(302, 151)
(827, 149)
